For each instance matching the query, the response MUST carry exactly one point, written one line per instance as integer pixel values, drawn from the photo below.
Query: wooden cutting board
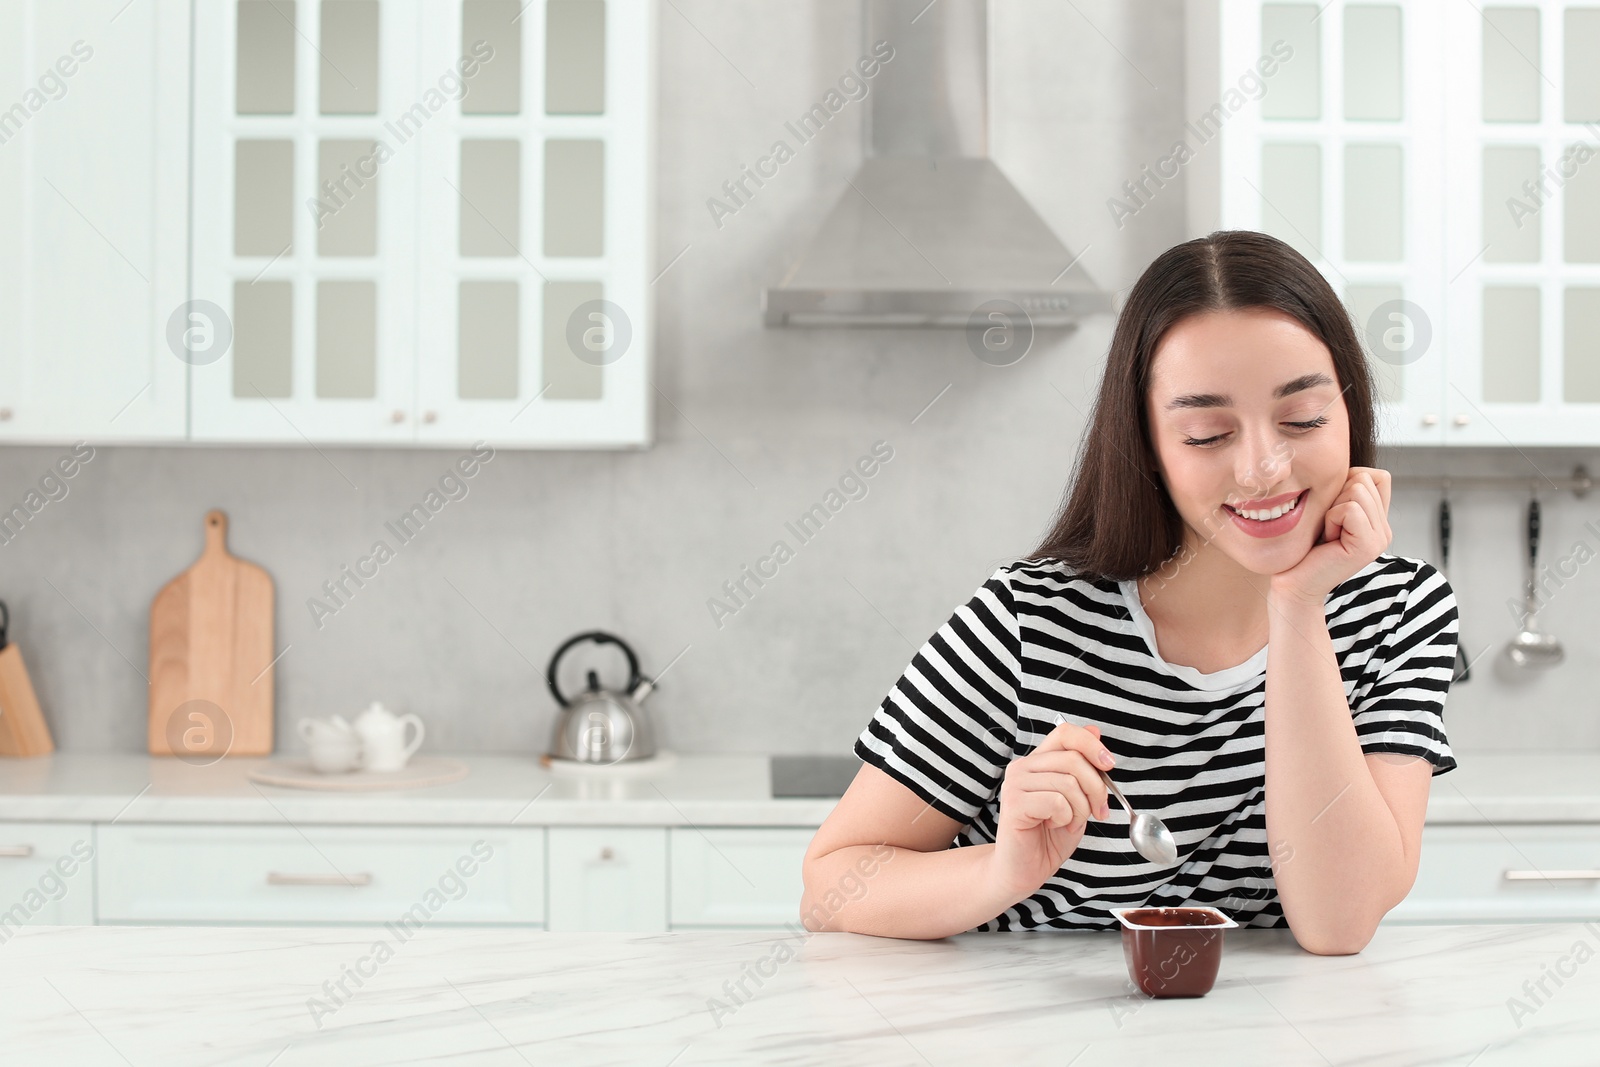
(211, 656)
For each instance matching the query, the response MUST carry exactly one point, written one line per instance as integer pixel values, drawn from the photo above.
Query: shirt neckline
(1227, 678)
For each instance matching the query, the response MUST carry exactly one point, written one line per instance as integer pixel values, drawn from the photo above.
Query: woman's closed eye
(1312, 424)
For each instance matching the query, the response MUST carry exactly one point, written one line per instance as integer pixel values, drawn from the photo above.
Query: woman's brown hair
(1117, 520)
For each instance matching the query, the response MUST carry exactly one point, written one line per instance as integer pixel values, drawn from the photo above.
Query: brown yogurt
(1173, 952)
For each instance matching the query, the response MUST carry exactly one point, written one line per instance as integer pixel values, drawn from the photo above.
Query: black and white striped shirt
(1037, 644)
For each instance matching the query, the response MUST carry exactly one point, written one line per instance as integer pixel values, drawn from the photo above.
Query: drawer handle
(353, 880)
(607, 855)
(15, 852)
(1553, 876)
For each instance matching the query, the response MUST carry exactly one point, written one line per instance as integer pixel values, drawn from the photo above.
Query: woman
(1213, 618)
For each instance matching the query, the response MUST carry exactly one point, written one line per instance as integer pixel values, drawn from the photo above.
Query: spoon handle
(1117, 791)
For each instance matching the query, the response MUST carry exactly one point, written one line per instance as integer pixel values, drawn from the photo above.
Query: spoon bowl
(1150, 836)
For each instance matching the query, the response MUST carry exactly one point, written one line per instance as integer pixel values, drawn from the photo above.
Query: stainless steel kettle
(602, 726)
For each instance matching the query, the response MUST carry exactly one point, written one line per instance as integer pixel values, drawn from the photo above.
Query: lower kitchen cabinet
(1508, 873)
(726, 877)
(47, 875)
(405, 876)
(608, 878)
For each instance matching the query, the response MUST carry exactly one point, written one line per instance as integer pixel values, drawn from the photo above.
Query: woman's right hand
(1046, 801)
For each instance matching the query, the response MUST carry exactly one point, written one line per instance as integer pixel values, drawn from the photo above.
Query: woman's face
(1245, 412)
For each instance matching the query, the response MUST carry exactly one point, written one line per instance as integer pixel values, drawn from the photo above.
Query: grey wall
(754, 427)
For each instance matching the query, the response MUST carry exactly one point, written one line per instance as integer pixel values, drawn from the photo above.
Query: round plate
(419, 771)
(648, 765)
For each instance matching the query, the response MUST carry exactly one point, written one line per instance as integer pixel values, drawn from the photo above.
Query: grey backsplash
(754, 427)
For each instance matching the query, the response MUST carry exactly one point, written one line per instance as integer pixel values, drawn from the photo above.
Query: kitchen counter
(720, 790)
(187, 995)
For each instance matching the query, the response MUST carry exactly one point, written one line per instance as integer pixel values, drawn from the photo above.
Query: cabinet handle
(430, 416)
(1462, 419)
(5, 414)
(1430, 419)
(354, 880)
(1553, 876)
(15, 852)
(397, 416)
(606, 854)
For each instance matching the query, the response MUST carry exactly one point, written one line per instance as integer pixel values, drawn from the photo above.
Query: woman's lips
(1272, 527)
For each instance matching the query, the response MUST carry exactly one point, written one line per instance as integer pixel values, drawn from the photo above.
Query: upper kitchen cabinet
(93, 153)
(424, 222)
(1391, 144)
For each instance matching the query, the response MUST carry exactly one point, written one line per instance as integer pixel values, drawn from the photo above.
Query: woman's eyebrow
(1222, 400)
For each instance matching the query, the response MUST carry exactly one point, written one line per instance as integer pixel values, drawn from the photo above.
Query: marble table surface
(712, 789)
(269, 996)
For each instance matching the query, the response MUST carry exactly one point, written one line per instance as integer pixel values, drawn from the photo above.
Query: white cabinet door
(46, 875)
(730, 878)
(1510, 873)
(1524, 237)
(93, 147)
(537, 245)
(403, 877)
(305, 221)
(608, 878)
(1321, 125)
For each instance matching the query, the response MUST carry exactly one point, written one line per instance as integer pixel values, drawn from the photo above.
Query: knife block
(22, 728)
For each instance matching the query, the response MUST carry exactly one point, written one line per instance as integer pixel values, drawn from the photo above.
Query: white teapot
(383, 738)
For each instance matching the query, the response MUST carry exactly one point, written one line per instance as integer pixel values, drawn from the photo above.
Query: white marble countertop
(695, 789)
(178, 996)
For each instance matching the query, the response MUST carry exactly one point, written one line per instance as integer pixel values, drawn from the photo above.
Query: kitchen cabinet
(93, 153)
(608, 878)
(725, 877)
(424, 223)
(1511, 873)
(405, 877)
(47, 875)
(1425, 158)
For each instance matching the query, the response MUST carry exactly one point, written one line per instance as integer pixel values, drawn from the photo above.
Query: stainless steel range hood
(929, 228)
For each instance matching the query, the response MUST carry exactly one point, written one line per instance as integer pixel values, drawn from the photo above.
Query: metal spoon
(1149, 835)
(1530, 648)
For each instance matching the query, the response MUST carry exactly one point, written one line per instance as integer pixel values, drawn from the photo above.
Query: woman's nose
(1260, 461)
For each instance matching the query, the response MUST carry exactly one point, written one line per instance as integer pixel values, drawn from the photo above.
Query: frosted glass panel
(1291, 184)
(497, 87)
(486, 338)
(1372, 63)
(1373, 203)
(1295, 92)
(263, 197)
(1580, 357)
(263, 322)
(1512, 238)
(1510, 55)
(1363, 300)
(1511, 344)
(1580, 207)
(574, 198)
(567, 376)
(347, 187)
(575, 57)
(347, 342)
(1581, 43)
(265, 50)
(348, 72)
(491, 208)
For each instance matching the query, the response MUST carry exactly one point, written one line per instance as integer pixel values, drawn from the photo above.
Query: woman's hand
(1045, 804)
(1355, 531)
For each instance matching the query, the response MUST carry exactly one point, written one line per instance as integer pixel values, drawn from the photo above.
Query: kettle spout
(642, 690)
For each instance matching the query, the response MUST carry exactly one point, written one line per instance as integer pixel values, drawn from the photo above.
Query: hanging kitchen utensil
(1463, 671)
(602, 726)
(1530, 648)
(211, 658)
(23, 731)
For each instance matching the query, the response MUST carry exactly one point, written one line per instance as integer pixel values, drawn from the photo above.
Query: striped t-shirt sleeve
(947, 727)
(1402, 710)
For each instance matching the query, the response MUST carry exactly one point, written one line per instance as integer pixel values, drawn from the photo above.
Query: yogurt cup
(1173, 952)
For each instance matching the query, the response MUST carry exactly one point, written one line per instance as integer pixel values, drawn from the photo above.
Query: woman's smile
(1270, 521)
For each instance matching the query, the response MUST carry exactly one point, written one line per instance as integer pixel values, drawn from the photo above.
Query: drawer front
(403, 876)
(608, 878)
(1485, 874)
(46, 875)
(738, 876)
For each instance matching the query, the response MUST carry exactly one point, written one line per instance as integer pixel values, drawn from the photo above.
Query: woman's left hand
(1355, 531)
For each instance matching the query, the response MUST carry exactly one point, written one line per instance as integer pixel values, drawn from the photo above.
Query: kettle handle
(599, 637)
